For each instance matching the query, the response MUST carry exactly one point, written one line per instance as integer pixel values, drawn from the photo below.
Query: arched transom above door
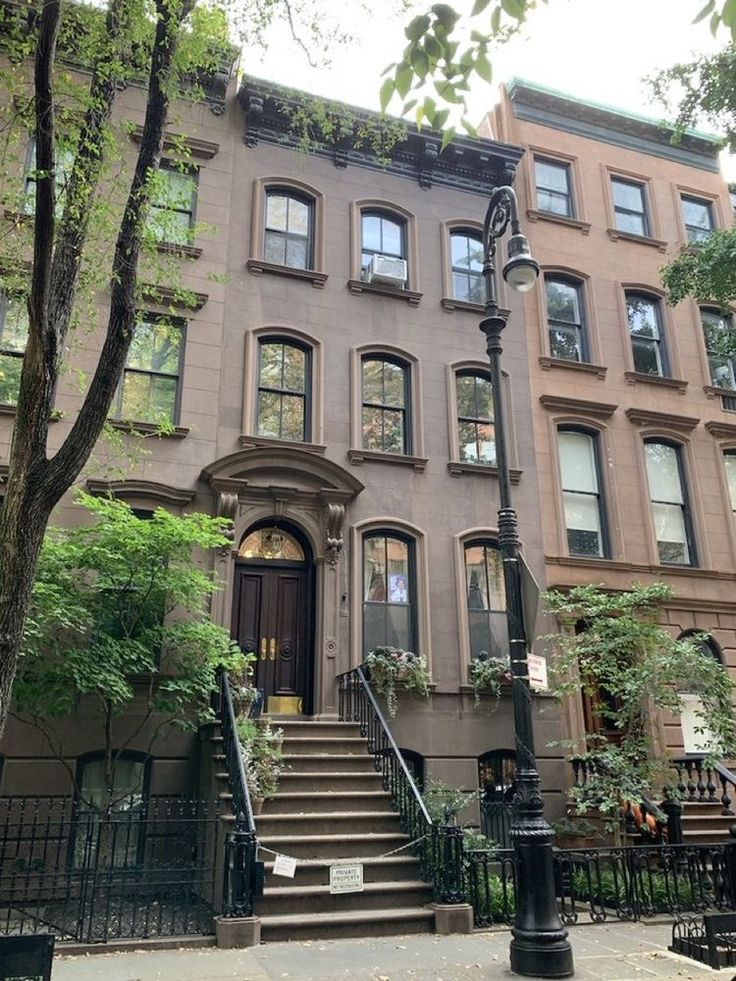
(285, 482)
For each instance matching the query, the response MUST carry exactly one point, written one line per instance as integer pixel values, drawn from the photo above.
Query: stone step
(334, 845)
(342, 762)
(324, 781)
(705, 835)
(319, 745)
(315, 872)
(328, 822)
(334, 730)
(357, 923)
(706, 821)
(318, 899)
(311, 802)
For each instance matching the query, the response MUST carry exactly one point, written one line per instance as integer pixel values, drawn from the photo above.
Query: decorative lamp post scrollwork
(539, 944)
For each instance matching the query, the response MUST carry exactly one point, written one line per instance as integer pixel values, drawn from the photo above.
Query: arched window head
(271, 545)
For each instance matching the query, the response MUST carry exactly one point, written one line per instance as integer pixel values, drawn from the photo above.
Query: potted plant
(488, 674)
(244, 693)
(391, 669)
(264, 762)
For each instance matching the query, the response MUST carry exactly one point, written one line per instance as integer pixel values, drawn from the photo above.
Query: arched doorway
(273, 606)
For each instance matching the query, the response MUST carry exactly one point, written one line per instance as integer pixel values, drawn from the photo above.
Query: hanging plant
(392, 669)
(488, 675)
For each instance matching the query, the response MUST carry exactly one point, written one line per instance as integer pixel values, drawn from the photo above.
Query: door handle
(273, 649)
(263, 648)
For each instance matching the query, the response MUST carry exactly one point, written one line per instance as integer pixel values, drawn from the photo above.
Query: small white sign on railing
(537, 667)
(346, 878)
(284, 865)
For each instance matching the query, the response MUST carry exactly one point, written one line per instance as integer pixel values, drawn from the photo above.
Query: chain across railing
(439, 847)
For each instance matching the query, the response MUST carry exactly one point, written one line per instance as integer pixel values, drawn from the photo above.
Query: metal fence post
(731, 865)
(673, 809)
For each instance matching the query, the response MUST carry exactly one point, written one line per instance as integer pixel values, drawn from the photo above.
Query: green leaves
(706, 271)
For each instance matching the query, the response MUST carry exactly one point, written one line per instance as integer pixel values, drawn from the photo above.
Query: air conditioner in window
(387, 269)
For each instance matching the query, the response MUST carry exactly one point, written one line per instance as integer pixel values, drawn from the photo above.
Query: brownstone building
(634, 425)
(330, 395)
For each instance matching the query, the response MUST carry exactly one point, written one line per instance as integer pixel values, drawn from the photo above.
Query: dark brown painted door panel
(270, 620)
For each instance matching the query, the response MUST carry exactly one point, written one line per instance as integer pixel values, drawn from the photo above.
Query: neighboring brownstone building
(330, 395)
(634, 424)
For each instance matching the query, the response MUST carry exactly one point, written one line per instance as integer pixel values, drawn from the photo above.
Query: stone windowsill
(165, 296)
(259, 266)
(459, 467)
(715, 391)
(359, 457)
(148, 429)
(654, 243)
(582, 366)
(177, 248)
(379, 289)
(506, 689)
(250, 441)
(448, 303)
(640, 377)
(639, 568)
(533, 214)
(10, 409)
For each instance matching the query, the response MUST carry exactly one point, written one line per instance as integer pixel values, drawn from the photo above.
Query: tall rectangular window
(283, 389)
(389, 591)
(149, 390)
(645, 328)
(698, 217)
(629, 205)
(475, 422)
(173, 200)
(718, 333)
(64, 162)
(467, 266)
(13, 340)
(581, 493)
(385, 422)
(565, 318)
(729, 461)
(486, 598)
(383, 235)
(553, 184)
(670, 510)
(289, 230)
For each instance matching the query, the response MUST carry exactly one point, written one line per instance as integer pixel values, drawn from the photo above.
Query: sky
(598, 50)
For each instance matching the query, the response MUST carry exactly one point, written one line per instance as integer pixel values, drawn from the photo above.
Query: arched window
(567, 334)
(475, 419)
(669, 502)
(284, 383)
(580, 472)
(718, 328)
(289, 229)
(383, 234)
(707, 644)
(497, 786)
(389, 591)
(271, 544)
(486, 598)
(467, 266)
(385, 419)
(647, 340)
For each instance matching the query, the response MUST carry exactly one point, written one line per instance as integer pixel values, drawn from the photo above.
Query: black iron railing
(243, 874)
(496, 818)
(701, 782)
(491, 886)
(147, 869)
(439, 847)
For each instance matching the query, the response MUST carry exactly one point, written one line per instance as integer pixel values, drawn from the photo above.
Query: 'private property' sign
(346, 878)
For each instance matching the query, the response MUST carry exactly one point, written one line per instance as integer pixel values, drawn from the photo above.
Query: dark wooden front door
(271, 620)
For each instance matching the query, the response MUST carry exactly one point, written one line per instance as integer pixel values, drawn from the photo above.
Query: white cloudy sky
(594, 49)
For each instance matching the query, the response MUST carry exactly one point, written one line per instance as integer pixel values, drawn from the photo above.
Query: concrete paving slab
(603, 952)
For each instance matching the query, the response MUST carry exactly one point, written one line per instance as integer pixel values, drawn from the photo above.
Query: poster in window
(397, 592)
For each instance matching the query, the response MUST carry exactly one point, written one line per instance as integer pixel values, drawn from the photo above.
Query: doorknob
(263, 648)
(273, 649)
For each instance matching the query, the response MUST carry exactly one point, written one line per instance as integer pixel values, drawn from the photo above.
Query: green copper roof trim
(516, 83)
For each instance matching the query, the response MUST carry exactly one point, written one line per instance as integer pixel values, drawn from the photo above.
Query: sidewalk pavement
(603, 952)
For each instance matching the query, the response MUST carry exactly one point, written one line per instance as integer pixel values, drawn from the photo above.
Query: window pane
(729, 460)
(477, 290)
(698, 217)
(581, 542)
(148, 398)
(298, 217)
(275, 248)
(297, 251)
(563, 301)
(155, 347)
(271, 544)
(486, 435)
(643, 319)
(372, 428)
(10, 369)
(664, 473)
(393, 431)
(466, 402)
(462, 286)
(577, 462)
(271, 369)
(646, 357)
(467, 438)
(372, 233)
(633, 224)
(551, 176)
(460, 247)
(269, 414)
(628, 196)
(13, 323)
(174, 189)
(292, 417)
(392, 237)
(670, 532)
(374, 565)
(277, 206)
(581, 513)
(295, 361)
(556, 204)
(564, 342)
(393, 376)
(373, 381)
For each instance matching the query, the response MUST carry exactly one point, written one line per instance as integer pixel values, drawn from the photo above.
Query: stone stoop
(331, 805)
(704, 823)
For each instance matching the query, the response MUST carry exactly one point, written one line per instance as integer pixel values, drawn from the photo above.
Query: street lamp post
(539, 944)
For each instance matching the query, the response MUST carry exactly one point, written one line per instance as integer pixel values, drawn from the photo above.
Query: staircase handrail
(706, 789)
(235, 758)
(440, 848)
(582, 767)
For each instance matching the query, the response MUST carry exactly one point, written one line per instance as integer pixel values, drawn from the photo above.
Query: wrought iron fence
(150, 870)
(491, 886)
(496, 817)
